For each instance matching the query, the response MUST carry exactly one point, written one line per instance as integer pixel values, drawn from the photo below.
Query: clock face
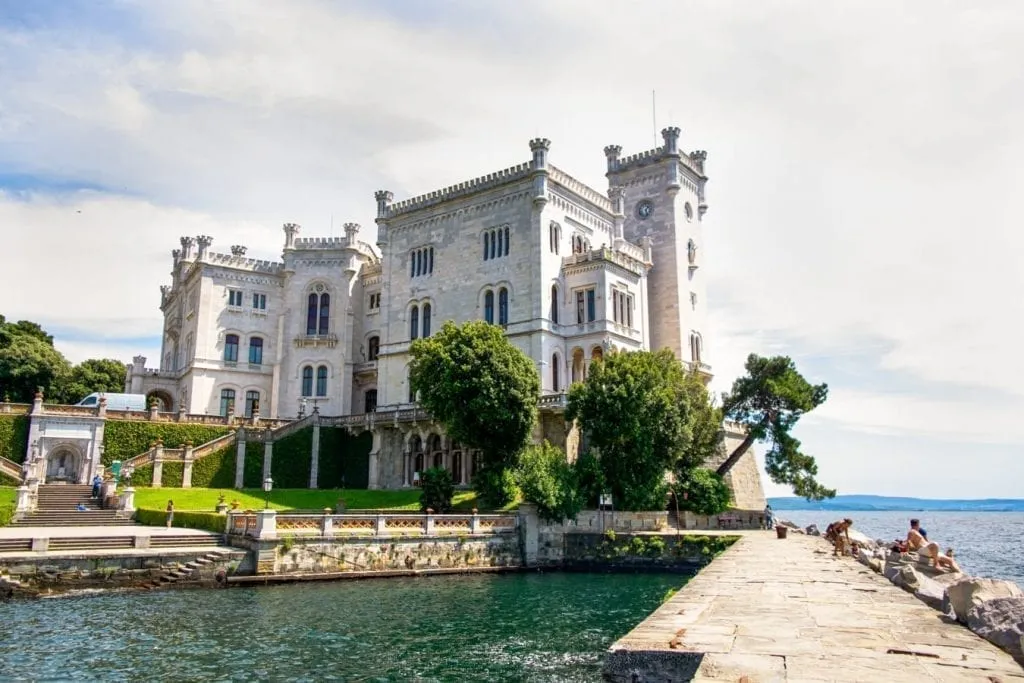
(644, 209)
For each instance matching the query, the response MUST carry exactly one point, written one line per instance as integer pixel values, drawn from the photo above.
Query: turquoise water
(485, 627)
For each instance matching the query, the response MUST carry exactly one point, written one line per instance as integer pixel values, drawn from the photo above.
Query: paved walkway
(786, 610)
(19, 532)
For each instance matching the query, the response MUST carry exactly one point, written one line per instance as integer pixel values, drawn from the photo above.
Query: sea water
(474, 627)
(989, 544)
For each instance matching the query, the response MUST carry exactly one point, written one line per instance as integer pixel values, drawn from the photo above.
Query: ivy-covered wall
(173, 475)
(142, 475)
(292, 460)
(344, 459)
(216, 470)
(14, 437)
(123, 439)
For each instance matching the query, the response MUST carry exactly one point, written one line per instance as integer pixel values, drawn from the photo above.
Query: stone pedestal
(529, 530)
(266, 524)
(23, 502)
(240, 460)
(186, 474)
(128, 499)
(314, 460)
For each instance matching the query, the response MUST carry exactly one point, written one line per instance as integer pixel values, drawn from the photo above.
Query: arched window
(307, 380)
(370, 401)
(321, 380)
(227, 402)
(252, 403)
(487, 245)
(503, 306)
(554, 304)
(426, 320)
(414, 322)
(501, 243)
(230, 348)
(374, 348)
(311, 314)
(489, 306)
(430, 266)
(695, 347)
(457, 468)
(494, 244)
(577, 365)
(554, 372)
(256, 350)
(325, 313)
(554, 237)
(506, 241)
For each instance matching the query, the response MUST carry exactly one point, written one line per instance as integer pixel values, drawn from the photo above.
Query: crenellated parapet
(187, 244)
(203, 242)
(669, 150)
(242, 263)
(580, 189)
(465, 189)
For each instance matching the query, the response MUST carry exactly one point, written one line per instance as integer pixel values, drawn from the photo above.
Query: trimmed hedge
(142, 476)
(344, 459)
(7, 480)
(173, 475)
(123, 439)
(252, 471)
(14, 437)
(216, 470)
(292, 460)
(208, 521)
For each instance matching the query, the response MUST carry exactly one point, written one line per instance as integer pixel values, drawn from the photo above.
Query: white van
(116, 401)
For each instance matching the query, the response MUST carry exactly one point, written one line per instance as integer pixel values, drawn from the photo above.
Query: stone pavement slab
(772, 609)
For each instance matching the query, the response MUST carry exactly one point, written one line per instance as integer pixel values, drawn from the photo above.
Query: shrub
(208, 521)
(590, 478)
(496, 485)
(706, 493)
(123, 439)
(437, 490)
(216, 470)
(14, 437)
(548, 481)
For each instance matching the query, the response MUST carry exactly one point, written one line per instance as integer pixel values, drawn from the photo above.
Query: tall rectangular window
(227, 402)
(370, 401)
(252, 402)
(591, 305)
(235, 297)
(503, 306)
(629, 311)
(580, 310)
(307, 380)
(255, 351)
(489, 306)
(321, 380)
(231, 348)
(259, 302)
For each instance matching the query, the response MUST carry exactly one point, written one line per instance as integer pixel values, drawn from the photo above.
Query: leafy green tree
(589, 478)
(635, 410)
(705, 424)
(548, 480)
(768, 401)
(703, 491)
(93, 375)
(437, 490)
(484, 390)
(28, 361)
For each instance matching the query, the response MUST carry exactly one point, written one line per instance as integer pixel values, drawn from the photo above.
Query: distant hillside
(893, 503)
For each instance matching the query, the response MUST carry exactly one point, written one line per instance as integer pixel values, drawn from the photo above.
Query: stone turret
(186, 248)
(351, 233)
(384, 199)
(617, 195)
(540, 147)
(612, 153)
(204, 242)
(290, 231)
(671, 150)
(238, 250)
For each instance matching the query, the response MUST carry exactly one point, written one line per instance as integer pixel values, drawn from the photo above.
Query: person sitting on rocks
(948, 562)
(838, 534)
(917, 543)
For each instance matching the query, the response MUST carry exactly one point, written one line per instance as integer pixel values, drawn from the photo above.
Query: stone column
(186, 475)
(314, 455)
(240, 459)
(406, 466)
(428, 528)
(266, 524)
(374, 477)
(158, 465)
(268, 460)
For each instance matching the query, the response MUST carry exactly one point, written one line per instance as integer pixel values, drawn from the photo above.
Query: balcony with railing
(305, 341)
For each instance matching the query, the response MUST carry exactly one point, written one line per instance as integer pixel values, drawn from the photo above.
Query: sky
(862, 161)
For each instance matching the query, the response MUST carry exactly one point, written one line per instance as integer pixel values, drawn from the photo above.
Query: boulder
(931, 592)
(907, 579)
(864, 556)
(876, 565)
(812, 530)
(862, 540)
(964, 595)
(1000, 621)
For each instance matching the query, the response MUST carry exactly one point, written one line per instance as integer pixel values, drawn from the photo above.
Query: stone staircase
(183, 572)
(58, 507)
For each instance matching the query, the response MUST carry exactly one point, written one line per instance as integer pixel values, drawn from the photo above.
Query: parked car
(116, 401)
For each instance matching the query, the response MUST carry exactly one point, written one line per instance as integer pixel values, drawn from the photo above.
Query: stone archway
(64, 465)
(165, 402)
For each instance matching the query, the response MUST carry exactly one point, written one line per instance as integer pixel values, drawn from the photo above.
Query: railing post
(186, 473)
(428, 528)
(158, 465)
(128, 499)
(326, 525)
(266, 524)
(240, 459)
(381, 525)
(23, 502)
(474, 522)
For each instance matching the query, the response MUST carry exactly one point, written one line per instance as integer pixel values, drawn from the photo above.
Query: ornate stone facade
(569, 272)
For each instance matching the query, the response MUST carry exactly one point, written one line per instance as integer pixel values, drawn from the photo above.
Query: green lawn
(291, 499)
(7, 498)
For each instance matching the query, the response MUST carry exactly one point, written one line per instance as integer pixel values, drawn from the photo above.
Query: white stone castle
(569, 273)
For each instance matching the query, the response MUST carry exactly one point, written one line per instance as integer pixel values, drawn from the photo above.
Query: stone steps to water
(57, 506)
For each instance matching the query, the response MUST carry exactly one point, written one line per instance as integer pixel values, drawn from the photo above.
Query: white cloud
(863, 162)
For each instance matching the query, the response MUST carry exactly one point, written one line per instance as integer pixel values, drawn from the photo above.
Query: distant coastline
(893, 503)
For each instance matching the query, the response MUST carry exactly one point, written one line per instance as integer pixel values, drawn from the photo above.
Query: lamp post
(268, 484)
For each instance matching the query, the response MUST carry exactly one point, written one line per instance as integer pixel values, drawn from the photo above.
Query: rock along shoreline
(991, 608)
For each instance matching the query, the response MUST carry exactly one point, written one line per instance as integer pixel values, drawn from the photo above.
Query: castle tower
(662, 194)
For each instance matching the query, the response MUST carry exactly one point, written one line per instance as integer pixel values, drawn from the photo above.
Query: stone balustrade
(371, 524)
(15, 408)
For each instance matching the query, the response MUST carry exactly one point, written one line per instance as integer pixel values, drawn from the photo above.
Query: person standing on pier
(769, 517)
